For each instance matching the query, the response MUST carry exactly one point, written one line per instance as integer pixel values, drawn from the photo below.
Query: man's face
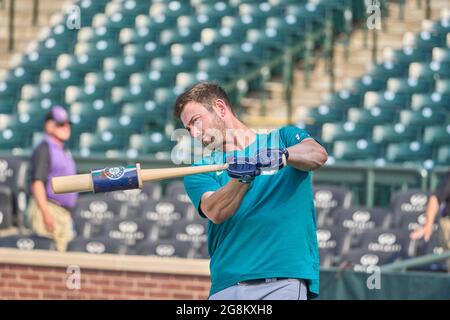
(59, 131)
(204, 125)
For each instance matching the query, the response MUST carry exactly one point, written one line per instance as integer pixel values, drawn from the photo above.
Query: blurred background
(370, 80)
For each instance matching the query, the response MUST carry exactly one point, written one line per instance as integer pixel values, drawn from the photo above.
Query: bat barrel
(168, 173)
(75, 183)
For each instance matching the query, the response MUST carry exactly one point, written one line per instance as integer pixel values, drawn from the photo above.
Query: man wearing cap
(49, 212)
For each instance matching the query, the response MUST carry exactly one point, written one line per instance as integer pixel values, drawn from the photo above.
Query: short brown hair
(204, 93)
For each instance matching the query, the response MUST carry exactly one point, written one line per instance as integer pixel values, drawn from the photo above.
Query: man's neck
(238, 136)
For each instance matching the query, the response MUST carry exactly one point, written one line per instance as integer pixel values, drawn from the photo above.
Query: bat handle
(75, 183)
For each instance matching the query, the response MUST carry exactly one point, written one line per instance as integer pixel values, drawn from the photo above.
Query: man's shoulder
(40, 148)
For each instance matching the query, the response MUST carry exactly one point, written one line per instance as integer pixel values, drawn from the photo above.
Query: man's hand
(272, 159)
(243, 169)
(422, 232)
(49, 223)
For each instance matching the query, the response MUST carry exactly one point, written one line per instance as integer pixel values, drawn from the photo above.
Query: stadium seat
(361, 219)
(6, 207)
(164, 249)
(423, 117)
(345, 131)
(131, 199)
(360, 260)
(443, 155)
(414, 151)
(372, 116)
(394, 241)
(433, 246)
(437, 135)
(91, 212)
(329, 198)
(100, 142)
(388, 133)
(386, 100)
(433, 100)
(193, 233)
(31, 242)
(408, 202)
(413, 221)
(131, 230)
(149, 143)
(14, 175)
(96, 245)
(175, 189)
(334, 240)
(361, 149)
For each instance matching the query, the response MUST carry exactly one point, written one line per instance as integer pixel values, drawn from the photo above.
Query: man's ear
(220, 107)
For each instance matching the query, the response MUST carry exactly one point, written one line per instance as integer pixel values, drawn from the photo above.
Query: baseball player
(49, 212)
(262, 228)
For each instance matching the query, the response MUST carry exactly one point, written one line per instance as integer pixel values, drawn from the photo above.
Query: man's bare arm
(307, 155)
(219, 205)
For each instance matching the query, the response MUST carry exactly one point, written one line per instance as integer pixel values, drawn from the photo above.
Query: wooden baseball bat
(84, 182)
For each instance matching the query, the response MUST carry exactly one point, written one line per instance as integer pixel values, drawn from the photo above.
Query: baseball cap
(58, 114)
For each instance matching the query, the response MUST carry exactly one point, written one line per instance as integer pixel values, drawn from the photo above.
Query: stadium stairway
(391, 35)
(24, 29)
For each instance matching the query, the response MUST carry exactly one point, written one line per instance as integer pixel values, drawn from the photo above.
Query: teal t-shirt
(273, 233)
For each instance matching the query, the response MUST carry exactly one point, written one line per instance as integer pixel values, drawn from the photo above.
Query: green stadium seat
(345, 131)
(171, 66)
(88, 9)
(129, 8)
(101, 48)
(344, 99)
(148, 110)
(165, 98)
(78, 63)
(441, 55)
(410, 54)
(241, 22)
(149, 143)
(215, 11)
(426, 40)
(155, 23)
(51, 47)
(20, 76)
(270, 39)
(355, 150)
(368, 83)
(436, 135)
(172, 9)
(140, 35)
(443, 86)
(386, 100)
(24, 123)
(433, 100)
(389, 133)
(260, 11)
(248, 54)
(89, 34)
(220, 68)
(148, 50)
(96, 108)
(197, 22)
(124, 65)
(130, 93)
(321, 114)
(114, 22)
(311, 17)
(42, 91)
(10, 139)
(122, 125)
(34, 61)
(153, 79)
(410, 85)
(288, 26)
(83, 93)
(185, 35)
(414, 151)
(105, 79)
(191, 52)
(216, 37)
(61, 79)
(424, 117)
(9, 90)
(7, 105)
(186, 80)
(389, 69)
(91, 143)
(372, 116)
(430, 71)
(443, 155)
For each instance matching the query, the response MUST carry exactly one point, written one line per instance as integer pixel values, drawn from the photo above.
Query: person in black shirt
(439, 203)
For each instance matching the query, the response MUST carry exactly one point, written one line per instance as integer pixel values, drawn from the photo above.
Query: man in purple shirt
(49, 212)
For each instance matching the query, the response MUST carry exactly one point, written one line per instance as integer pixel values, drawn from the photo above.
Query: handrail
(11, 14)
(415, 262)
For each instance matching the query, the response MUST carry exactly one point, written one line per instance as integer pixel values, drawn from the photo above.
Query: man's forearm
(40, 196)
(307, 155)
(431, 211)
(224, 202)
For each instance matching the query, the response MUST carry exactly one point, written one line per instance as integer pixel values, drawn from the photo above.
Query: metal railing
(12, 17)
(416, 262)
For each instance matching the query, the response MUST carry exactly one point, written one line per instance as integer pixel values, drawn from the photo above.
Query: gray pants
(270, 289)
